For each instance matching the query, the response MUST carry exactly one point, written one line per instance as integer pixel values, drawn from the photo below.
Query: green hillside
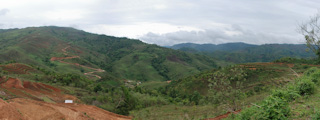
(297, 100)
(120, 57)
(215, 92)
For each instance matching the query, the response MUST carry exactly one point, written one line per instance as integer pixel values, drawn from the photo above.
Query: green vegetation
(296, 60)
(246, 53)
(282, 103)
(310, 31)
(121, 57)
(212, 93)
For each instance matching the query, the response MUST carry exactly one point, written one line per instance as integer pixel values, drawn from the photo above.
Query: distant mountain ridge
(244, 53)
(213, 47)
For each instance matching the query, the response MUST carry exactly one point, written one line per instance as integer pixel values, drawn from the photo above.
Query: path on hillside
(64, 50)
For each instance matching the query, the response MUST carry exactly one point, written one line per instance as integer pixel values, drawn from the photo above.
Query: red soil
(252, 68)
(62, 58)
(224, 115)
(32, 90)
(17, 68)
(13, 83)
(8, 112)
(26, 109)
(28, 105)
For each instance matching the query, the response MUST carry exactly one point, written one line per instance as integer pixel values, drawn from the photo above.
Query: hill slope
(120, 57)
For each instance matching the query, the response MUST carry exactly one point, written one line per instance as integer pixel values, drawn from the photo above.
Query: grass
(183, 112)
(174, 112)
(154, 84)
(46, 99)
(305, 107)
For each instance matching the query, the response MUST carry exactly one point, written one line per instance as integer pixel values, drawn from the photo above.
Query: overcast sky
(167, 22)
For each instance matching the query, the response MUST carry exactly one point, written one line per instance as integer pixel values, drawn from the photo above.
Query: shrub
(286, 95)
(272, 108)
(305, 86)
(315, 77)
(316, 116)
(310, 71)
(275, 108)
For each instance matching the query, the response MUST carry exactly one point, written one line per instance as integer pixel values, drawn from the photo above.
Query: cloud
(233, 34)
(165, 21)
(138, 29)
(4, 11)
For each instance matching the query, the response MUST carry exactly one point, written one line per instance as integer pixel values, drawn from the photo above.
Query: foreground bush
(305, 86)
(276, 106)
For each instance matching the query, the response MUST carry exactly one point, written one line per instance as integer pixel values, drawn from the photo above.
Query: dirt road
(64, 50)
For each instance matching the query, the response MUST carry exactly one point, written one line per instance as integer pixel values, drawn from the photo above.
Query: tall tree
(311, 31)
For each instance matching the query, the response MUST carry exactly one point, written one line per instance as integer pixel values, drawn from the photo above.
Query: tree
(311, 31)
(128, 103)
(97, 88)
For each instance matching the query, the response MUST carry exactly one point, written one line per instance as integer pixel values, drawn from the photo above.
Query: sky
(168, 22)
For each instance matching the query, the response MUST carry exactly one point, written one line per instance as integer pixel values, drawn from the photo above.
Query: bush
(275, 108)
(316, 116)
(315, 77)
(272, 108)
(305, 86)
(310, 71)
(286, 95)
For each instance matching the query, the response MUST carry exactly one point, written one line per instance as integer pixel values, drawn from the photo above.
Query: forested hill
(244, 53)
(122, 58)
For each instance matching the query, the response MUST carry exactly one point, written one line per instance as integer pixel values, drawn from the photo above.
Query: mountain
(121, 58)
(212, 47)
(244, 53)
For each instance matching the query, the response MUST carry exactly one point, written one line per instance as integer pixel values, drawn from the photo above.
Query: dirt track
(220, 117)
(64, 50)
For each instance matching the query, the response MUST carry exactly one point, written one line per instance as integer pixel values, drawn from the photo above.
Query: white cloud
(219, 36)
(65, 15)
(137, 30)
(4, 11)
